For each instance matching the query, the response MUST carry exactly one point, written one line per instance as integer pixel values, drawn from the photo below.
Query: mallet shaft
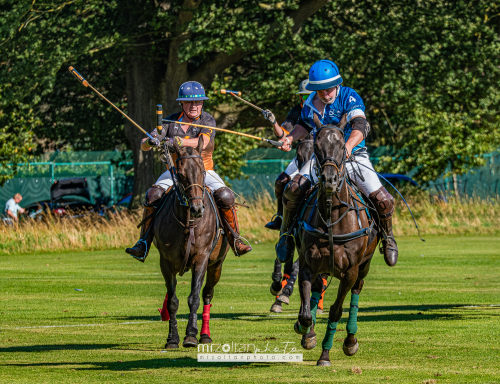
(87, 84)
(237, 95)
(272, 142)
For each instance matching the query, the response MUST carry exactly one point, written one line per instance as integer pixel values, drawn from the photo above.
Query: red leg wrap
(164, 310)
(205, 326)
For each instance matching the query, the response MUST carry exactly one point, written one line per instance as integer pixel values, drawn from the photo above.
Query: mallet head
(226, 91)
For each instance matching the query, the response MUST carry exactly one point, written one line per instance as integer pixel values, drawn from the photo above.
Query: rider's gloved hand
(153, 142)
(268, 115)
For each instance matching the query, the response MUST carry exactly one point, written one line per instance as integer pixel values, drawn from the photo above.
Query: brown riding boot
(232, 232)
(384, 204)
(141, 249)
(225, 201)
(279, 186)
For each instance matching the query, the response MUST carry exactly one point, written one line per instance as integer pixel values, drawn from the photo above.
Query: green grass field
(434, 318)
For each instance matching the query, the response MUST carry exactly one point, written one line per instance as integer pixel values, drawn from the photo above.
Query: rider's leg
(141, 249)
(279, 186)
(382, 200)
(294, 192)
(384, 203)
(224, 198)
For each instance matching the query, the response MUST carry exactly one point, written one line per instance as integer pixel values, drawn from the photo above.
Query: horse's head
(329, 148)
(191, 172)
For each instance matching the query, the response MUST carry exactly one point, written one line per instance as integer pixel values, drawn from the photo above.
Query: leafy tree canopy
(427, 71)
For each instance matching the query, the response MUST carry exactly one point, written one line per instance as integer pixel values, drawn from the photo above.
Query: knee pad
(280, 184)
(224, 198)
(295, 191)
(153, 195)
(384, 203)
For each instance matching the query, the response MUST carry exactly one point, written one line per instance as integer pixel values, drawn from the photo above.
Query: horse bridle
(183, 190)
(330, 161)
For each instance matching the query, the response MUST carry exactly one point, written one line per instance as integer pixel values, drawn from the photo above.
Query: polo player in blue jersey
(330, 101)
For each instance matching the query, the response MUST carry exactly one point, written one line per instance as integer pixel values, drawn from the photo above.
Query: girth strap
(337, 239)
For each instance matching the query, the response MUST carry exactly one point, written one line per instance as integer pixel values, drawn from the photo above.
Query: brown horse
(187, 236)
(334, 236)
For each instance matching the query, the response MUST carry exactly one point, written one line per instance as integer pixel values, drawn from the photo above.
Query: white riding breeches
(292, 169)
(212, 180)
(371, 182)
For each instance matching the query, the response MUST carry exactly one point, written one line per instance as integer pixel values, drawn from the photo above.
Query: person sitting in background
(12, 207)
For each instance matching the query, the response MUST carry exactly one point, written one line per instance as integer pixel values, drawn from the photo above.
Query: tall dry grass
(93, 232)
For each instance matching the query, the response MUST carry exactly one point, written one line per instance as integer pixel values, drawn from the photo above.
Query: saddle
(311, 200)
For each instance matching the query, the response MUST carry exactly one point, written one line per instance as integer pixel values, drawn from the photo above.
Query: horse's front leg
(172, 303)
(276, 284)
(198, 274)
(335, 314)
(305, 320)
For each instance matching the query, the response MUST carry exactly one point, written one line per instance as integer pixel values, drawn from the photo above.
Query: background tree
(427, 71)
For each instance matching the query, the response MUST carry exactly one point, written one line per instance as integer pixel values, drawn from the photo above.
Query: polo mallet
(272, 142)
(237, 94)
(86, 84)
(159, 115)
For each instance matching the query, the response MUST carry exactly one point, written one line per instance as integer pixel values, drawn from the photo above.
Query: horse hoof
(205, 339)
(190, 342)
(323, 363)
(351, 351)
(308, 342)
(275, 291)
(319, 311)
(284, 299)
(276, 308)
(300, 330)
(171, 345)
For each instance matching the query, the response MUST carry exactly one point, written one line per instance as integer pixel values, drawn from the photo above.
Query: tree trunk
(140, 91)
(455, 186)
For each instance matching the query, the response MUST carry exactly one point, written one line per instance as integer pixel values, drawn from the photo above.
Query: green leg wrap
(315, 297)
(352, 323)
(330, 332)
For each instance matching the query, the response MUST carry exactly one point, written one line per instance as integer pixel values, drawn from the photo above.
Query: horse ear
(200, 144)
(317, 122)
(343, 122)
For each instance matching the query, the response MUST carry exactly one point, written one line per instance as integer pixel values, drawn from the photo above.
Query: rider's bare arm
(355, 138)
(298, 133)
(144, 144)
(278, 130)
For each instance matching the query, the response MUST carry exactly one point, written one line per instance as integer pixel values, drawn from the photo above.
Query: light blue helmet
(323, 74)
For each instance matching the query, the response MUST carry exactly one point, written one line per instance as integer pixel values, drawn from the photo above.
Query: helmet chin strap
(186, 114)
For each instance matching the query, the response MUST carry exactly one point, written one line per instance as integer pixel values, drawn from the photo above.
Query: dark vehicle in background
(68, 197)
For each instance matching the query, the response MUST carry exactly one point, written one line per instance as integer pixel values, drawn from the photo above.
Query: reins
(184, 201)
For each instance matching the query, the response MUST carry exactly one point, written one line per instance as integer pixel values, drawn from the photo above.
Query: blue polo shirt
(347, 102)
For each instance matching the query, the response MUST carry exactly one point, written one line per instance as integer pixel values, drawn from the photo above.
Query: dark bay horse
(187, 235)
(281, 287)
(334, 236)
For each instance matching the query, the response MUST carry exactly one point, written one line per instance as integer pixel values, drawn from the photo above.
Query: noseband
(184, 190)
(331, 161)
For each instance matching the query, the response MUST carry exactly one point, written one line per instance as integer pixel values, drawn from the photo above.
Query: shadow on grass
(57, 347)
(134, 365)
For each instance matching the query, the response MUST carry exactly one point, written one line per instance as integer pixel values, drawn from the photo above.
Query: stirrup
(241, 238)
(143, 257)
(382, 247)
